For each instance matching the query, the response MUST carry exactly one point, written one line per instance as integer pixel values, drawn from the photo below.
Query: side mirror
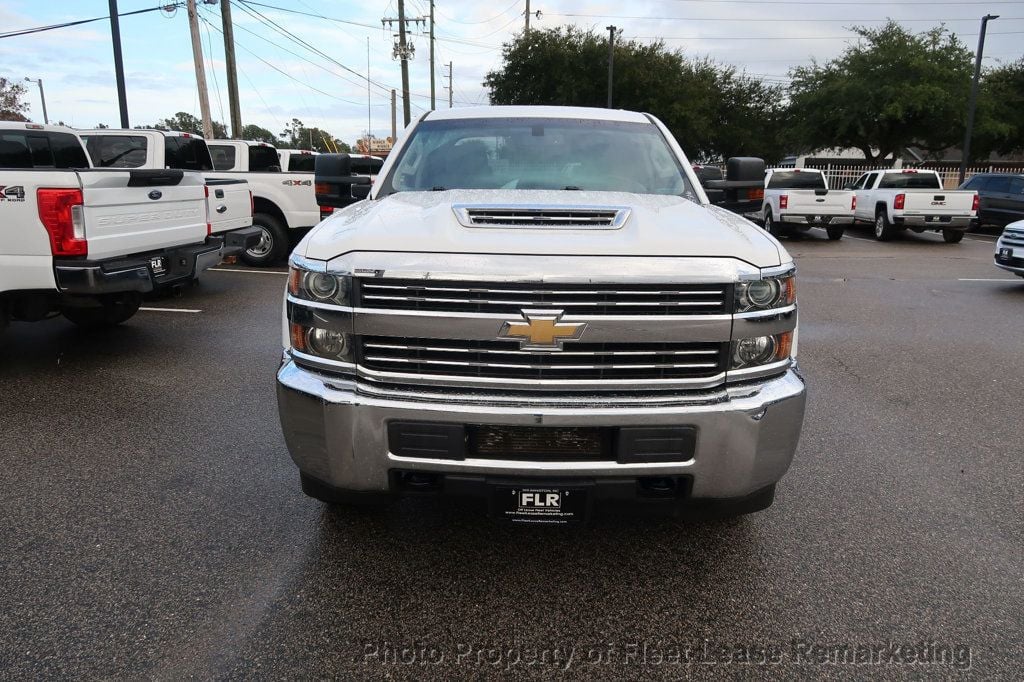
(744, 169)
(334, 182)
(715, 196)
(360, 192)
(850, 185)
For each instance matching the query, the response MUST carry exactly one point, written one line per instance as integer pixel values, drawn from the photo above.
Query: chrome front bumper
(336, 431)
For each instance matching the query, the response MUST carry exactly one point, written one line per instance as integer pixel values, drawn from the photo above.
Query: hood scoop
(542, 217)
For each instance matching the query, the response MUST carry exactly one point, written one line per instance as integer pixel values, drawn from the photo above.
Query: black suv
(1001, 195)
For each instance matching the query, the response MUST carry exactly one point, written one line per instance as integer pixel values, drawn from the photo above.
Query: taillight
(60, 212)
(899, 202)
(209, 226)
(853, 202)
(976, 203)
(252, 204)
(783, 201)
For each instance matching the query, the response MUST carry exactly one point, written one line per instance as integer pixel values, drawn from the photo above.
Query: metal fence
(840, 175)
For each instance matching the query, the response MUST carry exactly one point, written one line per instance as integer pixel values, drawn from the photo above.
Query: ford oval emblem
(155, 194)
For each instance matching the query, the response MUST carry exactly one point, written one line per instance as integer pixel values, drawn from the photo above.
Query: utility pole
(527, 29)
(197, 57)
(394, 115)
(433, 98)
(115, 37)
(404, 51)
(611, 62)
(973, 101)
(451, 87)
(229, 59)
(39, 82)
(368, 108)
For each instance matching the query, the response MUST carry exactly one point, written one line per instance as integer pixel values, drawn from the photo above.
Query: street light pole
(39, 82)
(973, 101)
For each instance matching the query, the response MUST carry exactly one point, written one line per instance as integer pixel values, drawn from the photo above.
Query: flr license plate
(1005, 254)
(539, 504)
(158, 265)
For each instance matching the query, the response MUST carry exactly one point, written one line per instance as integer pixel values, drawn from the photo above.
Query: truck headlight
(766, 294)
(760, 350)
(324, 343)
(319, 286)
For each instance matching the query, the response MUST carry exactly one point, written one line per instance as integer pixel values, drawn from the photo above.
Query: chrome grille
(579, 361)
(573, 299)
(599, 217)
(1013, 238)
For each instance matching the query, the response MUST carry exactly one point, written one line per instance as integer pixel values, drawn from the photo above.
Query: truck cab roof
(584, 113)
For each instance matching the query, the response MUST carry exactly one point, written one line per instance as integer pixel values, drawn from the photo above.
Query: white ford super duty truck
(284, 203)
(538, 307)
(229, 201)
(900, 199)
(799, 199)
(87, 243)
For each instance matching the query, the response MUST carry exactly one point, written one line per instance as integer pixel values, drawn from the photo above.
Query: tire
(273, 245)
(110, 313)
(951, 236)
(884, 231)
(770, 226)
(835, 233)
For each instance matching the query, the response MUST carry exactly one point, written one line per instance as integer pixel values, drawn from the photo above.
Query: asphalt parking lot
(153, 524)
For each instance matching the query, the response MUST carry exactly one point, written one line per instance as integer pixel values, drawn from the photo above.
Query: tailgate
(228, 204)
(806, 202)
(938, 202)
(134, 211)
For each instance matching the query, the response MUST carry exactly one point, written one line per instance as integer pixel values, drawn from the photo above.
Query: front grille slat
(454, 296)
(505, 360)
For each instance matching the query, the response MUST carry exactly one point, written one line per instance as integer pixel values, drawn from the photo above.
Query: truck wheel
(951, 236)
(111, 312)
(770, 227)
(883, 228)
(273, 243)
(835, 233)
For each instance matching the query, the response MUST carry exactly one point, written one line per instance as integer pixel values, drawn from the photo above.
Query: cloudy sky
(323, 81)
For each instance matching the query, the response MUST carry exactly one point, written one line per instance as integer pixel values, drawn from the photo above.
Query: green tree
(892, 89)
(1000, 117)
(700, 101)
(12, 104)
(297, 136)
(257, 134)
(185, 122)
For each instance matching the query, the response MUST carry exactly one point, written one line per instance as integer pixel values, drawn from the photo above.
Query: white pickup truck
(87, 243)
(799, 199)
(297, 160)
(538, 306)
(899, 199)
(229, 201)
(284, 203)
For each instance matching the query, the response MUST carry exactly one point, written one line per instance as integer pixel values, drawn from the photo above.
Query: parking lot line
(171, 310)
(998, 279)
(251, 272)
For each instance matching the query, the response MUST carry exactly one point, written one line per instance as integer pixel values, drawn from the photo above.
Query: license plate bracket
(540, 504)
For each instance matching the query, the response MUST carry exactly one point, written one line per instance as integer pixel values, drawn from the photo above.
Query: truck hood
(658, 225)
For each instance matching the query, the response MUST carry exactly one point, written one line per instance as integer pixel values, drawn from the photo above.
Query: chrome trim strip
(759, 372)
(746, 326)
(541, 304)
(487, 326)
(369, 284)
(779, 270)
(476, 215)
(538, 384)
(506, 365)
(450, 349)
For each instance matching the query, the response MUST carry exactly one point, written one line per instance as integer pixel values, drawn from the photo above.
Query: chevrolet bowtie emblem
(542, 330)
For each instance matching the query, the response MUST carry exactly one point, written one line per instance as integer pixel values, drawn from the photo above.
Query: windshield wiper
(438, 189)
(572, 188)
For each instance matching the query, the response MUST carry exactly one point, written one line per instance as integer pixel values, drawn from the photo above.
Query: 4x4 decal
(12, 193)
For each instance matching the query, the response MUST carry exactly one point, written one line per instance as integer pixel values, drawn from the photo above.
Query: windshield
(796, 180)
(910, 181)
(537, 153)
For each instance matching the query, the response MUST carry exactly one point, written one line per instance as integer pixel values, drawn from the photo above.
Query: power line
(499, 15)
(67, 24)
(759, 19)
(746, 38)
